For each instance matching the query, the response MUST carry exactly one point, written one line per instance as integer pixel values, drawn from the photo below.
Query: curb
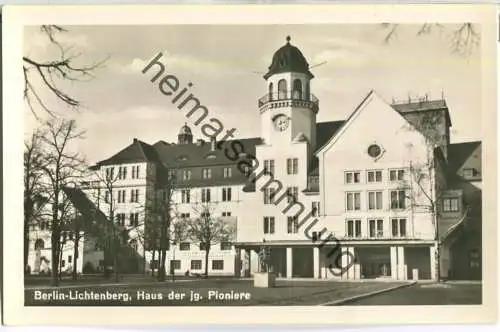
(362, 296)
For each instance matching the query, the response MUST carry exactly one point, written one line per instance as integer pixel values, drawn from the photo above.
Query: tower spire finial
(288, 39)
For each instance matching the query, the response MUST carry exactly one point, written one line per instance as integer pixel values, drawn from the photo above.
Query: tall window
(315, 209)
(292, 194)
(270, 91)
(268, 225)
(376, 227)
(110, 173)
(134, 219)
(398, 199)
(282, 90)
(134, 195)
(186, 175)
(206, 173)
(292, 225)
(374, 176)
(297, 89)
(352, 177)
(374, 200)
(227, 172)
(450, 204)
(353, 201)
(185, 196)
(226, 194)
(122, 172)
(120, 219)
(135, 172)
(205, 195)
(398, 227)
(269, 194)
(354, 228)
(121, 196)
(396, 174)
(292, 165)
(269, 166)
(106, 197)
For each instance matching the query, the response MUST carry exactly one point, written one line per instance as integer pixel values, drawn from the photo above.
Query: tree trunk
(55, 240)
(60, 260)
(152, 264)
(75, 254)
(207, 250)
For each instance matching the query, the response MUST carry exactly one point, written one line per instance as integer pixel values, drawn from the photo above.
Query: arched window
(297, 89)
(39, 244)
(308, 93)
(282, 89)
(271, 91)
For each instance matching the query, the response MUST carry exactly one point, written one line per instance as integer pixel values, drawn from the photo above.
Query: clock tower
(288, 109)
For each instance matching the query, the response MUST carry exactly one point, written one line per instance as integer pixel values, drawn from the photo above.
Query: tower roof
(288, 59)
(185, 130)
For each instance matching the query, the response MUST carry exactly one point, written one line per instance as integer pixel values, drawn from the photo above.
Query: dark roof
(461, 153)
(138, 151)
(288, 59)
(325, 130)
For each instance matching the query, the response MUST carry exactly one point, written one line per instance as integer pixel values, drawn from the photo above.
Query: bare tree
(208, 229)
(60, 168)
(33, 186)
(49, 75)
(463, 38)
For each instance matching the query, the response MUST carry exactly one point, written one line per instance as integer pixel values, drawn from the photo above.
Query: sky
(225, 64)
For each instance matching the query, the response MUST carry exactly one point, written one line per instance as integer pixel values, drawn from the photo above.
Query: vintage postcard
(250, 164)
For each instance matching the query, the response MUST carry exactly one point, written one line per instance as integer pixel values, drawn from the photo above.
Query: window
(292, 194)
(120, 219)
(396, 174)
(352, 177)
(269, 195)
(106, 197)
(186, 175)
(135, 172)
(450, 204)
(398, 227)
(175, 264)
(70, 259)
(205, 195)
(227, 172)
(282, 90)
(121, 196)
(196, 264)
(185, 215)
(134, 219)
(218, 264)
(354, 228)
(376, 227)
(374, 176)
(353, 201)
(292, 225)
(63, 263)
(315, 209)
(226, 194)
(110, 173)
(184, 246)
(268, 225)
(206, 173)
(375, 200)
(398, 199)
(225, 246)
(185, 196)
(226, 214)
(292, 166)
(120, 173)
(470, 172)
(134, 195)
(269, 166)
(297, 89)
(203, 246)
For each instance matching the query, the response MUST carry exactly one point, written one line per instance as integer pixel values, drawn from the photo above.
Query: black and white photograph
(253, 164)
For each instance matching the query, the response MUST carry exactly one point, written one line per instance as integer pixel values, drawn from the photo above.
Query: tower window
(282, 91)
(270, 91)
(297, 89)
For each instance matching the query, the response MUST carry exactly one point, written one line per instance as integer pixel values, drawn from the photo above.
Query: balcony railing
(295, 98)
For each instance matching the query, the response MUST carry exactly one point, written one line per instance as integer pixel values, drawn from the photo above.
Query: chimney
(212, 143)
(135, 140)
(199, 142)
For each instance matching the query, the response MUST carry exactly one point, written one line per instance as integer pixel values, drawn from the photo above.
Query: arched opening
(282, 89)
(297, 89)
(39, 244)
(308, 93)
(271, 91)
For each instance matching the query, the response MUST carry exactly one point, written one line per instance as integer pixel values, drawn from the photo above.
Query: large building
(349, 199)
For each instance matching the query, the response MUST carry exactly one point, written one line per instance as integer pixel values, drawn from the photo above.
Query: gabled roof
(138, 151)
(466, 155)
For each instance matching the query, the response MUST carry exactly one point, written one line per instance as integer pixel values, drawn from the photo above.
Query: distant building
(369, 180)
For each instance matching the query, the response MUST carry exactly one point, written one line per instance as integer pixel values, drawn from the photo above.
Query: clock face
(281, 123)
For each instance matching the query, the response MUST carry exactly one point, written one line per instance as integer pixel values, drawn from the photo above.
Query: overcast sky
(226, 63)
